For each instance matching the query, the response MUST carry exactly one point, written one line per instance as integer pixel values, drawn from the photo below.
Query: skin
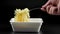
(52, 7)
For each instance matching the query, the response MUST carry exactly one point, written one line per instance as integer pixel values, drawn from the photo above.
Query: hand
(51, 10)
(52, 7)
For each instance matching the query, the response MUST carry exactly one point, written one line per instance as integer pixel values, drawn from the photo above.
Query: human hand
(52, 7)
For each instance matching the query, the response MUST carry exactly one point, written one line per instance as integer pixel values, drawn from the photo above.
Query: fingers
(52, 7)
(44, 6)
(52, 10)
(43, 9)
(48, 8)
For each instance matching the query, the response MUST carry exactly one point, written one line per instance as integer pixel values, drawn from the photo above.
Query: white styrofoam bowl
(34, 25)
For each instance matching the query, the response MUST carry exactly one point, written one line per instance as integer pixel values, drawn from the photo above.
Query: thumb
(48, 2)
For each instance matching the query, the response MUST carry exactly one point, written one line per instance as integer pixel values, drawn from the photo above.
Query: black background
(7, 8)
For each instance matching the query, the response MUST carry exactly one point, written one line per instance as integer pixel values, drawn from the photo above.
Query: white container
(34, 25)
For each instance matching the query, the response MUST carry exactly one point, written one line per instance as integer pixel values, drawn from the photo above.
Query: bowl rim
(41, 21)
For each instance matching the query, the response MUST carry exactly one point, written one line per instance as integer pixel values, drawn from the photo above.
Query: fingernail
(41, 8)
